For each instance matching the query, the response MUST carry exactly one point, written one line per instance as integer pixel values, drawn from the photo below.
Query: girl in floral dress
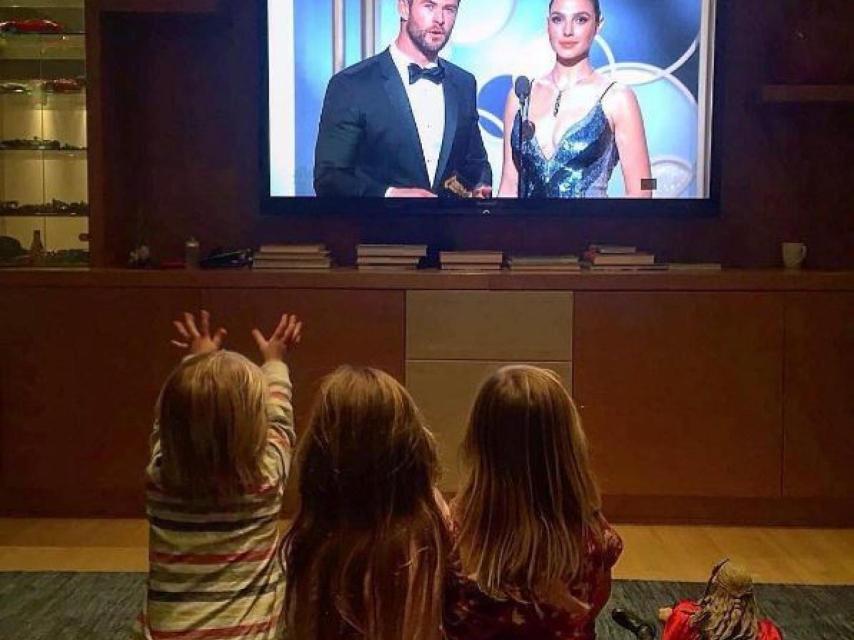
(534, 552)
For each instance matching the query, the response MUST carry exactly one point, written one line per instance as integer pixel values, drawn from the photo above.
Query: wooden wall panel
(184, 167)
(483, 325)
(819, 399)
(716, 406)
(340, 327)
(81, 369)
(681, 394)
(445, 392)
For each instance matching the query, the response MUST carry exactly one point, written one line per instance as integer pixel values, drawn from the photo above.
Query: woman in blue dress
(583, 123)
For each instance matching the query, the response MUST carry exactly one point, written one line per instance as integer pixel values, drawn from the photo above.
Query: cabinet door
(81, 370)
(819, 453)
(681, 393)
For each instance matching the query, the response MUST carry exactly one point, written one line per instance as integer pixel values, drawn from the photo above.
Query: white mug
(794, 254)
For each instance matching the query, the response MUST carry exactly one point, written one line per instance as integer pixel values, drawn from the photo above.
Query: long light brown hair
(728, 611)
(212, 427)
(366, 553)
(530, 496)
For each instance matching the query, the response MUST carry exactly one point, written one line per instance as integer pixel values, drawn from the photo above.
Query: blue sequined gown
(582, 163)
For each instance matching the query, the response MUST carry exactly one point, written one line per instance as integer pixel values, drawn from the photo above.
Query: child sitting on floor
(727, 611)
(365, 556)
(535, 551)
(221, 453)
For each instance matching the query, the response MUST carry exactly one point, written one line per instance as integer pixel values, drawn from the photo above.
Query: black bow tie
(433, 74)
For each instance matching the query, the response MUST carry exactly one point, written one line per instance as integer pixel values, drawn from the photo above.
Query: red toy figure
(727, 611)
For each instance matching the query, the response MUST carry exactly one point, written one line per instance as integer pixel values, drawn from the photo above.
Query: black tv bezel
(683, 208)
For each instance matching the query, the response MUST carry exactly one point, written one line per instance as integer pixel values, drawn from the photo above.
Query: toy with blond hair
(221, 452)
(535, 553)
(365, 556)
(727, 611)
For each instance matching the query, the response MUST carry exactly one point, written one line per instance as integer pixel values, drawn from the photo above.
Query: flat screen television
(572, 108)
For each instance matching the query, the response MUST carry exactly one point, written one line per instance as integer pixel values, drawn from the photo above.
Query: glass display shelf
(37, 99)
(42, 46)
(64, 259)
(44, 210)
(63, 240)
(54, 154)
(56, 209)
(42, 4)
(44, 215)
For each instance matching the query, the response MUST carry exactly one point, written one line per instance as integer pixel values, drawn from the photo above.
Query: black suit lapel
(452, 114)
(410, 152)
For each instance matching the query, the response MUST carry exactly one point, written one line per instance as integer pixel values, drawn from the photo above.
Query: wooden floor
(782, 556)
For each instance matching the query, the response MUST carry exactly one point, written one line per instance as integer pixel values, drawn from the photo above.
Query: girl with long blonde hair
(535, 553)
(727, 611)
(365, 557)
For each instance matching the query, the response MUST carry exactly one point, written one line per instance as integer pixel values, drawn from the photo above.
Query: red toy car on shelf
(64, 85)
(30, 26)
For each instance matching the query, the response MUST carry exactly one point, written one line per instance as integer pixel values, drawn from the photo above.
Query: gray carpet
(101, 606)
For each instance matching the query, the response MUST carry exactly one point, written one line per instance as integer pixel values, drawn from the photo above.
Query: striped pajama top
(216, 574)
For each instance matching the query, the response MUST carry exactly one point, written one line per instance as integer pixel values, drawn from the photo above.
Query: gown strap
(605, 92)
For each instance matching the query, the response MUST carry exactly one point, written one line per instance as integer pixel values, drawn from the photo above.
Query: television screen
(499, 99)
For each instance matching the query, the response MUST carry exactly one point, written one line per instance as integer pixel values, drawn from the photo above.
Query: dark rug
(102, 606)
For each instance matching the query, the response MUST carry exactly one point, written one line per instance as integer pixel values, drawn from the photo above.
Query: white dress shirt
(427, 101)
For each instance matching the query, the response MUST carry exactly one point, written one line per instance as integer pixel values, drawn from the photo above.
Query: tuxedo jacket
(368, 140)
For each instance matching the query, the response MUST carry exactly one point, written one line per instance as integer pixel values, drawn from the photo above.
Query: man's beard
(419, 38)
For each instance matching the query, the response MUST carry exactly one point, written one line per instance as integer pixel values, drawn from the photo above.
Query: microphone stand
(523, 118)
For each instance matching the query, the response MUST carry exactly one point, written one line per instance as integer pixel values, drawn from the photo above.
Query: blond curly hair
(728, 611)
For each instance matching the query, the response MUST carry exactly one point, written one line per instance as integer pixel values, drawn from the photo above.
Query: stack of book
(471, 260)
(610, 258)
(389, 257)
(292, 257)
(544, 264)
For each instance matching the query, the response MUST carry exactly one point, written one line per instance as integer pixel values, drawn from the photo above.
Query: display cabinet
(44, 202)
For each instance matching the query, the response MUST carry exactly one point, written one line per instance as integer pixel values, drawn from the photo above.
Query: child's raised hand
(286, 335)
(198, 340)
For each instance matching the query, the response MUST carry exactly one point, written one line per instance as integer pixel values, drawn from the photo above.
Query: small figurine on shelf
(140, 257)
(9, 206)
(64, 85)
(13, 88)
(37, 249)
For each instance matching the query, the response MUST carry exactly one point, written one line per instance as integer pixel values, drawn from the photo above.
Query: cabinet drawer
(489, 325)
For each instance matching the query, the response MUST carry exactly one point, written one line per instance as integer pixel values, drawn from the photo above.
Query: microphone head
(522, 87)
(529, 129)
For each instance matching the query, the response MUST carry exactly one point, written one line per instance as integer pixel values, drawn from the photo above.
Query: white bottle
(191, 253)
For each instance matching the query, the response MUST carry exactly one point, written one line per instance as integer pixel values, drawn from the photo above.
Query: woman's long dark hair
(365, 556)
(597, 8)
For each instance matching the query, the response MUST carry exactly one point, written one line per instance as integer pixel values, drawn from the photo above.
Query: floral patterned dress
(470, 614)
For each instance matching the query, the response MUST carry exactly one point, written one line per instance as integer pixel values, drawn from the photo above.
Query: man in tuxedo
(401, 123)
